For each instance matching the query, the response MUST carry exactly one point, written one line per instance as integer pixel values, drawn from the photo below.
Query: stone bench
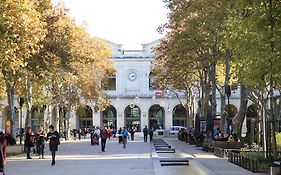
(162, 146)
(174, 161)
(165, 150)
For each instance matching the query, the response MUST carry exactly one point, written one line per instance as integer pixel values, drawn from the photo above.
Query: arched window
(156, 117)
(85, 117)
(109, 117)
(151, 81)
(179, 116)
(132, 116)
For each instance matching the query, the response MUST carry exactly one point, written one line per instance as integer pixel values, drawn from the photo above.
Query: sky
(127, 22)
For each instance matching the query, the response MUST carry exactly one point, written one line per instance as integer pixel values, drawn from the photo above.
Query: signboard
(158, 93)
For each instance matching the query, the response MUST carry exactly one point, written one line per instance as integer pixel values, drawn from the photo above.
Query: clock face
(132, 76)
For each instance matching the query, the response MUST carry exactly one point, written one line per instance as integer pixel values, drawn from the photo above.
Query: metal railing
(244, 162)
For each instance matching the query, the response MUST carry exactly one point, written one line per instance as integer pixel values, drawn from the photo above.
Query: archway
(37, 117)
(85, 116)
(179, 116)
(252, 122)
(109, 117)
(156, 116)
(132, 117)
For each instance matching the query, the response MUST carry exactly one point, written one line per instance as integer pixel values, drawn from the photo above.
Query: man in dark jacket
(103, 135)
(145, 133)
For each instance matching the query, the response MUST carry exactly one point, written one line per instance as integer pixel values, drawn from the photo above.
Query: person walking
(125, 136)
(145, 133)
(150, 134)
(119, 135)
(28, 142)
(109, 133)
(103, 135)
(54, 138)
(3, 144)
(132, 132)
(41, 142)
(97, 135)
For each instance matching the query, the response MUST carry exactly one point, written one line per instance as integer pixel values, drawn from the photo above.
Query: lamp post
(228, 93)
(21, 102)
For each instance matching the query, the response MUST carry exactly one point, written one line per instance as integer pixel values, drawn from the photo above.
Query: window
(110, 83)
(152, 81)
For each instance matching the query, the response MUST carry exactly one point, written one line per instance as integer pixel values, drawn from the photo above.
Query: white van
(174, 130)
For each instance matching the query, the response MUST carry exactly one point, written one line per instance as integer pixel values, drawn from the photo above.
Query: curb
(201, 169)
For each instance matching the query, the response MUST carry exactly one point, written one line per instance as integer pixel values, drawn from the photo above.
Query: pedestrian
(92, 135)
(41, 142)
(109, 133)
(97, 135)
(145, 133)
(151, 134)
(54, 138)
(125, 136)
(119, 135)
(79, 134)
(132, 132)
(74, 133)
(28, 142)
(103, 135)
(36, 143)
(3, 144)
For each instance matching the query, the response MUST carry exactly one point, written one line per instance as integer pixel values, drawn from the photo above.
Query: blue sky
(127, 22)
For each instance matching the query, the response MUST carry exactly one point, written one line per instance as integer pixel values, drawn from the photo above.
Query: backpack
(103, 134)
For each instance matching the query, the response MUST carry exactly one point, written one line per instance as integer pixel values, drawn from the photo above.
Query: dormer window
(109, 83)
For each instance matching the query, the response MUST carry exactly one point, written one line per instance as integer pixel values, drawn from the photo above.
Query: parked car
(174, 130)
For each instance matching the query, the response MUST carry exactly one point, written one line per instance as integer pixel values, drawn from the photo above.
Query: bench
(174, 161)
(165, 150)
(162, 146)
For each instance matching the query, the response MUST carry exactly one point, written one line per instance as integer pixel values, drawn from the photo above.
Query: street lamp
(21, 102)
(228, 93)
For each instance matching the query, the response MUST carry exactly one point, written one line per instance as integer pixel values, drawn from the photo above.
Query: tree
(257, 25)
(194, 53)
(20, 32)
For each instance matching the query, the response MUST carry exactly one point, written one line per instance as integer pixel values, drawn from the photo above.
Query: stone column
(168, 119)
(144, 119)
(120, 119)
(97, 118)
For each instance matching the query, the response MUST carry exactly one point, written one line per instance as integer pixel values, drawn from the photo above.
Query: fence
(245, 162)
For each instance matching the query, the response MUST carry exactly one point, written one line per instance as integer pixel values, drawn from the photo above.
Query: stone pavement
(207, 162)
(80, 158)
(139, 158)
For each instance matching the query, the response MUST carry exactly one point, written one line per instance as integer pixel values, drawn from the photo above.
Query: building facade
(133, 100)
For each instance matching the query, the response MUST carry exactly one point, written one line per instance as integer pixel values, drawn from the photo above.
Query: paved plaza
(139, 158)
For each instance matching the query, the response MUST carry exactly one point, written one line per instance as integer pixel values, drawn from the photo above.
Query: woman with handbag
(54, 138)
(28, 142)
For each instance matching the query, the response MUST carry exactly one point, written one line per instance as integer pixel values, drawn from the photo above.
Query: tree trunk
(28, 102)
(223, 112)
(223, 94)
(240, 116)
(214, 94)
(11, 97)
